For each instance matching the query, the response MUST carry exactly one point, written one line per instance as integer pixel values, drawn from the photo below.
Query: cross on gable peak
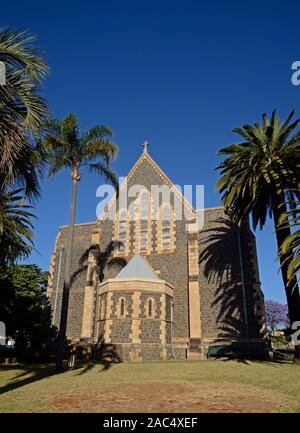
(145, 146)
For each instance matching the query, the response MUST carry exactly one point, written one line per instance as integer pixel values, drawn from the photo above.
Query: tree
(260, 176)
(71, 149)
(276, 315)
(22, 110)
(291, 245)
(16, 236)
(23, 304)
(23, 113)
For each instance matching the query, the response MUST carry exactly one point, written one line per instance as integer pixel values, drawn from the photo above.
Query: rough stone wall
(135, 334)
(168, 319)
(221, 298)
(172, 266)
(150, 328)
(221, 302)
(121, 327)
(150, 353)
(144, 301)
(82, 240)
(101, 315)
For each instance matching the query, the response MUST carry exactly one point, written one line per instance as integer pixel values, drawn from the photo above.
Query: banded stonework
(138, 312)
(190, 292)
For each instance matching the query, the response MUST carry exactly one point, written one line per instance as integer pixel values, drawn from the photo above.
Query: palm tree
(22, 110)
(16, 236)
(71, 149)
(260, 176)
(25, 171)
(22, 116)
(291, 245)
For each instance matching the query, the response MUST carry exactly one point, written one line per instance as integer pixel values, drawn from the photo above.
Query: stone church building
(184, 287)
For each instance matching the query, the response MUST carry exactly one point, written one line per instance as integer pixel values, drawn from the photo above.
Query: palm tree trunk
(67, 283)
(291, 287)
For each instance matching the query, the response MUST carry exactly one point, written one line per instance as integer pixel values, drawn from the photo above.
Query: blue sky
(180, 74)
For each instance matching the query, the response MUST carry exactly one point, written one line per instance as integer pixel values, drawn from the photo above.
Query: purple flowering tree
(276, 315)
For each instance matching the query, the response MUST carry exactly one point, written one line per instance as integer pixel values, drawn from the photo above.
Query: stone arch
(122, 308)
(150, 308)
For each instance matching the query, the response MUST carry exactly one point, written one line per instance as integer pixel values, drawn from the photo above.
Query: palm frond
(22, 110)
(109, 175)
(16, 235)
(290, 248)
(17, 49)
(266, 163)
(69, 148)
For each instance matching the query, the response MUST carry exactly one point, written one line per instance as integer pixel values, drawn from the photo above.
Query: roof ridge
(137, 266)
(146, 156)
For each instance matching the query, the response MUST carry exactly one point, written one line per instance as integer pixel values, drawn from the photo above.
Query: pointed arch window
(122, 308)
(150, 308)
(166, 227)
(123, 227)
(144, 222)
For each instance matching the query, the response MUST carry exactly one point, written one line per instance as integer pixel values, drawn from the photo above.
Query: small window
(150, 308)
(122, 308)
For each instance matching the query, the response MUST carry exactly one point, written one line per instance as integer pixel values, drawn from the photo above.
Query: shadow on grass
(85, 367)
(28, 374)
(34, 373)
(102, 354)
(276, 361)
(105, 354)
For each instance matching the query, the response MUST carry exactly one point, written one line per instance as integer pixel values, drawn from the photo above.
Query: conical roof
(137, 267)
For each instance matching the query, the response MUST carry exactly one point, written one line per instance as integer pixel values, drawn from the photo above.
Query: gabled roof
(145, 156)
(137, 267)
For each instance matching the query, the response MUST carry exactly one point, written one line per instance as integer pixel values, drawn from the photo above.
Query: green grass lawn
(173, 386)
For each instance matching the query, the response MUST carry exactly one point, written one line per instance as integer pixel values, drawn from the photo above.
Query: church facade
(182, 286)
